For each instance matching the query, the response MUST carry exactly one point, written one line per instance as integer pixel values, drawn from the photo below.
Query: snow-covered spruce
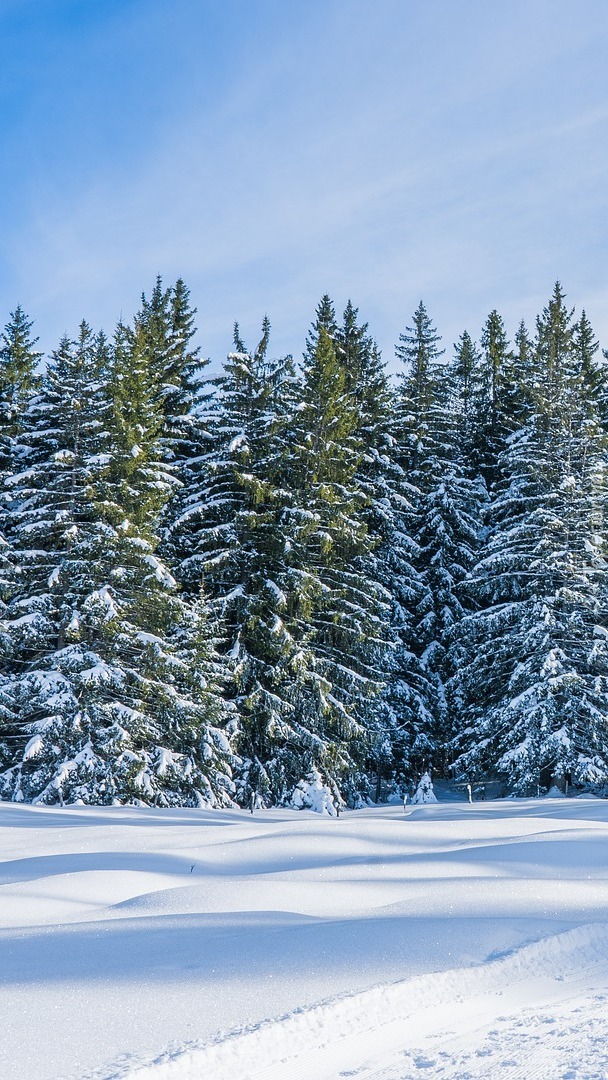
(311, 793)
(432, 416)
(533, 684)
(424, 792)
(230, 531)
(343, 612)
(113, 694)
(399, 719)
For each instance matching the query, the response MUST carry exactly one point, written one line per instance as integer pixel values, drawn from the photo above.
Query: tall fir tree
(18, 361)
(533, 693)
(165, 328)
(493, 392)
(230, 535)
(18, 379)
(586, 347)
(398, 718)
(104, 708)
(418, 351)
(325, 319)
(342, 611)
(519, 393)
(436, 409)
(465, 377)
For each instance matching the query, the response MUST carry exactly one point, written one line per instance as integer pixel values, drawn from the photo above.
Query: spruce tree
(103, 706)
(465, 379)
(586, 347)
(18, 380)
(18, 361)
(165, 327)
(137, 477)
(446, 502)
(325, 319)
(493, 391)
(519, 388)
(419, 353)
(342, 611)
(398, 718)
(230, 534)
(534, 690)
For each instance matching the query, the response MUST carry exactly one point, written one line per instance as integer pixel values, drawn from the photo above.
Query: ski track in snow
(397, 1032)
(448, 943)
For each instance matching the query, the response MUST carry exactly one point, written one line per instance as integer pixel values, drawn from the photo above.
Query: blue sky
(269, 151)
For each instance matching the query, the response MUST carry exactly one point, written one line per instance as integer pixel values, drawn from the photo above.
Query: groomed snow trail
(512, 1018)
(378, 945)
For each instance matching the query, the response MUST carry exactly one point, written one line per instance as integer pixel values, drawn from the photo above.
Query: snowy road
(459, 941)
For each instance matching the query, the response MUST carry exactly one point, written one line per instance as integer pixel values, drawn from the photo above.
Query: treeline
(300, 581)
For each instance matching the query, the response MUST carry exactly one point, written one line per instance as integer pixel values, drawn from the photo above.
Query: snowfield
(450, 941)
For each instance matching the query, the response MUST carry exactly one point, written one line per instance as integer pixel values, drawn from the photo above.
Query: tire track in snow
(360, 1036)
(567, 1042)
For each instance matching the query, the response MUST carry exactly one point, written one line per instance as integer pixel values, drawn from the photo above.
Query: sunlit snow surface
(448, 941)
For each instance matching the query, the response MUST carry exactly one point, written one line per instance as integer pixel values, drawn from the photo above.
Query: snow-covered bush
(313, 794)
(424, 792)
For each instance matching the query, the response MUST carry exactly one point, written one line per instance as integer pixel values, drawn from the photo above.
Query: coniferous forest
(301, 578)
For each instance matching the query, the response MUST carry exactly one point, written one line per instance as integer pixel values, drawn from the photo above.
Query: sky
(268, 152)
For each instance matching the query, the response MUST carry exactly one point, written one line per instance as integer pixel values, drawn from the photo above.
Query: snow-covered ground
(453, 941)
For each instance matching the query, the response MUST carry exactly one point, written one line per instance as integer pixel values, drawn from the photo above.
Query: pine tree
(342, 612)
(465, 378)
(446, 508)
(534, 690)
(424, 792)
(325, 319)
(586, 346)
(243, 410)
(48, 507)
(519, 382)
(137, 477)
(399, 716)
(492, 417)
(18, 361)
(419, 353)
(365, 376)
(230, 533)
(164, 328)
(104, 708)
